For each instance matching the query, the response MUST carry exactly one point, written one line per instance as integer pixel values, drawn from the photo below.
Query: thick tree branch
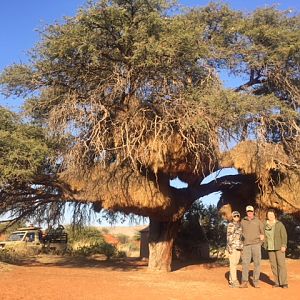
(249, 84)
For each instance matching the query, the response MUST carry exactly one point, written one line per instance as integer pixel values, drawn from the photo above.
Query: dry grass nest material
(277, 174)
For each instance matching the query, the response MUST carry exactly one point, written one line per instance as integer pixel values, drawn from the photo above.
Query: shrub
(292, 226)
(87, 241)
(105, 230)
(123, 238)
(15, 256)
(201, 225)
(121, 254)
(137, 236)
(97, 248)
(7, 256)
(87, 235)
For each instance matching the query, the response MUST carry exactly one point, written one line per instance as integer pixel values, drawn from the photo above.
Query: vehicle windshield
(16, 236)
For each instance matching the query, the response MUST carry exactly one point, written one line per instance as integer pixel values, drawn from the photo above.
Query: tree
(133, 92)
(24, 167)
(202, 231)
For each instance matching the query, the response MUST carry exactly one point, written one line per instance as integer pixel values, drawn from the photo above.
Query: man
(253, 235)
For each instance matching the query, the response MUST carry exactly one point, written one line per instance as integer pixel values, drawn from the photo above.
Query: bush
(134, 247)
(105, 230)
(8, 256)
(292, 226)
(201, 225)
(137, 236)
(97, 248)
(87, 235)
(121, 254)
(15, 256)
(123, 238)
(87, 241)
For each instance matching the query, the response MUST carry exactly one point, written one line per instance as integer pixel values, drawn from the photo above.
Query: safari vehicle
(34, 239)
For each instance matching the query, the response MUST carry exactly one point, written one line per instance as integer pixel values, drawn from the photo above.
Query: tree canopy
(132, 91)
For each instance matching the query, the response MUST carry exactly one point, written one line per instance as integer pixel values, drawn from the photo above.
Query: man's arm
(283, 234)
(230, 231)
(261, 231)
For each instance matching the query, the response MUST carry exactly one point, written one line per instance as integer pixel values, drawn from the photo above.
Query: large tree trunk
(161, 238)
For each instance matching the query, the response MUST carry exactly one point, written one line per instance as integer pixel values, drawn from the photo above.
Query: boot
(234, 284)
(244, 284)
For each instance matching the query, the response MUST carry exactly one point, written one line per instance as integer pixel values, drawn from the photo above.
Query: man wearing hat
(253, 236)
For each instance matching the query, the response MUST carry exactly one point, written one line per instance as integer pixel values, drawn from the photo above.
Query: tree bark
(161, 238)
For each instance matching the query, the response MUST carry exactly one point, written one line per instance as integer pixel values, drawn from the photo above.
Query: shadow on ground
(125, 264)
(206, 263)
(263, 277)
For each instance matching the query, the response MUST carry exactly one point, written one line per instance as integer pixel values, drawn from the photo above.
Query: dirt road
(59, 278)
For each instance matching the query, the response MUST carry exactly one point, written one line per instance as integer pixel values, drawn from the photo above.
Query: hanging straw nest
(126, 162)
(277, 173)
(126, 190)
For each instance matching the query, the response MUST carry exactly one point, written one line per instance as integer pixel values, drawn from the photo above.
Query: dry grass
(277, 176)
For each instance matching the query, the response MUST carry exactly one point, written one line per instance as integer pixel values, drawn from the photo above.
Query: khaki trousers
(278, 266)
(254, 252)
(234, 259)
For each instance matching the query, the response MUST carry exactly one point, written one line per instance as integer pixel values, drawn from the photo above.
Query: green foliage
(19, 78)
(211, 222)
(23, 149)
(96, 248)
(292, 226)
(90, 241)
(85, 234)
(202, 233)
(134, 48)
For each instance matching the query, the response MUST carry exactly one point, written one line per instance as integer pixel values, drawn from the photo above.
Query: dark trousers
(254, 252)
(278, 266)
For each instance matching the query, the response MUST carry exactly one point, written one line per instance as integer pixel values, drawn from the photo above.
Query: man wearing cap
(234, 247)
(253, 236)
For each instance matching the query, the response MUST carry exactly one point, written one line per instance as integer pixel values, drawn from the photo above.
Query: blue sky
(20, 19)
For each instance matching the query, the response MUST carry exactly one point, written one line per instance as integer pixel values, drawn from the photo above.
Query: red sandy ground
(59, 278)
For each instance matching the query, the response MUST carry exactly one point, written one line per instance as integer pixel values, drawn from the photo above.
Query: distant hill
(127, 230)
